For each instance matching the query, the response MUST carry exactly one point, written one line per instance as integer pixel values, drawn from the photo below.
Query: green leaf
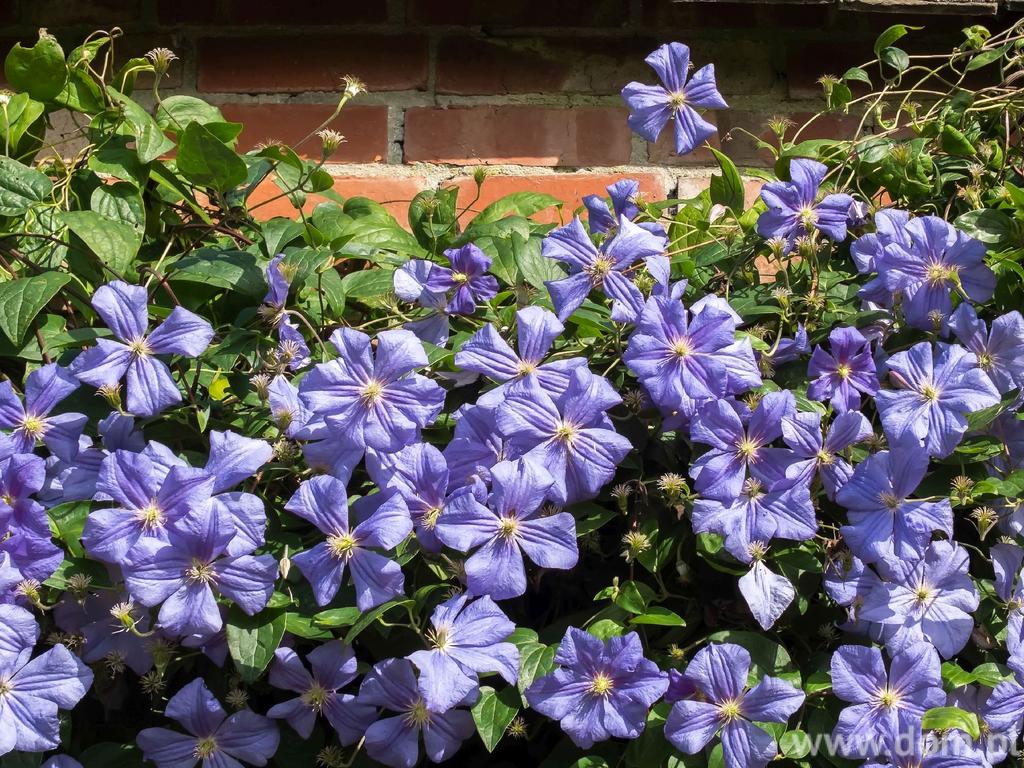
(535, 269)
(39, 71)
(516, 204)
(150, 141)
(795, 745)
(985, 58)
(727, 189)
(252, 640)
(858, 74)
(890, 36)
(492, 714)
(337, 617)
(176, 112)
(112, 242)
(658, 616)
(896, 58)
(206, 161)
(368, 283)
(67, 521)
(955, 143)
(535, 660)
(369, 617)
(949, 718)
(22, 299)
(303, 626)
(990, 226)
(232, 270)
(21, 187)
(629, 597)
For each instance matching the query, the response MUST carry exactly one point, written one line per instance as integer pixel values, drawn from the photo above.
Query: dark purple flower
(24, 526)
(884, 521)
(411, 285)
(373, 400)
(214, 739)
(181, 574)
(147, 503)
(685, 360)
(1008, 562)
(720, 471)
(932, 600)
(651, 107)
(794, 209)
(467, 277)
(33, 690)
(487, 353)
(569, 435)
(467, 639)
(334, 667)
(44, 388)
(843, 375)
(591, 268)
(936, 388)
(507, 527)
(98, 618)
(787, 350)
(150, 386)
(815, 456)
(1000, 353)
(939, 258)
(756, 516)
(726, 706)
(885, 706)
(323, 502)
(601, 689)
(394, 740)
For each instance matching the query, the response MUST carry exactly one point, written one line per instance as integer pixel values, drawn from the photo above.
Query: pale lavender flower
(814, 455)
(31, 421)
(794, 208)
(999, 352)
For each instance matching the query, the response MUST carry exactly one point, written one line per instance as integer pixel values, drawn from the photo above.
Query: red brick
(540, 65)
(520, 13)
(172, 12)
(568, 187)
(307, 12)
(517, 134)
(365, 128)
(97, 13)
(295, 63)
(807, 61)
(663, 151)
(394, 193)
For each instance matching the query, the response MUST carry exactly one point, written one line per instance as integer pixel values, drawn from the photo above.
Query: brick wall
(528, 88)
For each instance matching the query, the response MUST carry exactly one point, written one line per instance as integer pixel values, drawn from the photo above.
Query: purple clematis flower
(31, 421)
(508, 526)
(322, 501)
(419, 474)
(794, 209)
(938, 259)
(214, 739)
(467, 639)
(841, 377)
(147, 503)
(33, 690)
(601, 689)
(814, 455)
(756, 516)
(569, 435)
(98, 618)
(394, 740)
(720, 471)
(467, 277)
(475, 447)
(334, 667)
(180, 575)
(994, 744)
(1000, 353)
(868, 253)
(411, 285)
(726, 705)
(375, 402)
(937, 387)
(489, 354)
(24, 526)
(886, 707)
(292, 348)
(150, 386)
(1008, 562)
(651, 107)
(624, 195)
(848, 581)
(768, 594)
(590, 268)
(685, 360)
(930, 600)
(884, 522)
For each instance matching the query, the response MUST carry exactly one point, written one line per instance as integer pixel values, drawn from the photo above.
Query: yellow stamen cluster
(600, 268)
(139, 347)
(372, 392)
(888, 698)
(929, 393)
(200, 572)
(342, 545)
(746, 448)
(508, 527)
(315, 697)
(843, 371)
(729, 710)
(33, 426)
(601, 685)
(417, 715)
(683, 348)
(565, 432)
(151, 516)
